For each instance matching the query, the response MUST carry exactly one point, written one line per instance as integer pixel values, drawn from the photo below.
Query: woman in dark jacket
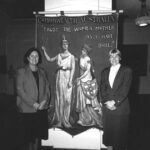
(115, 85)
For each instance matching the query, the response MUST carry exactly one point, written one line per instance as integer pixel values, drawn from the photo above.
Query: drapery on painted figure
(65, 71)
(87, 105)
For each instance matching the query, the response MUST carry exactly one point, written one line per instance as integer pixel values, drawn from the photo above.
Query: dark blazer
(27, 91)
(119, 91)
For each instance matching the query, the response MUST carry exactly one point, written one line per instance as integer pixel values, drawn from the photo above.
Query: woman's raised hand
(43, 48)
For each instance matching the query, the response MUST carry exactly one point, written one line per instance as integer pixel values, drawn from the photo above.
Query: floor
(139, 123)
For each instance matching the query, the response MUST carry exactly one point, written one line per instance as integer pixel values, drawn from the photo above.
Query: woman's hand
(42, 105)
(110, 105)
(43, 48)
(36, 106)
(46, 55)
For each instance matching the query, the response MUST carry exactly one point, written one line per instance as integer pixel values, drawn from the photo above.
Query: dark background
(17, 26)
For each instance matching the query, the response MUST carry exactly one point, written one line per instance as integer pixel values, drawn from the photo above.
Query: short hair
(29, 51)
(115, 52)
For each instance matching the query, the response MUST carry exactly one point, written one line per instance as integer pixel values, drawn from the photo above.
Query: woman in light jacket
(32, 96)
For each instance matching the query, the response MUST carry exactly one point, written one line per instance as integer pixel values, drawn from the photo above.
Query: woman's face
(33, 58)
(84, 52)
(65, 46)
(114, 59)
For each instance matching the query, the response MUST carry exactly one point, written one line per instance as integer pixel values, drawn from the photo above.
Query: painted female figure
(88, 107)
(66, 67)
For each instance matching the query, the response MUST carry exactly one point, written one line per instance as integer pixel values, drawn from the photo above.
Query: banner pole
(117, 32)
(35, 44)
(97, 12)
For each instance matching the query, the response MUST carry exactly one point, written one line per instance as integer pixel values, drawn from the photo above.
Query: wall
(4, 21)
(133, 34)
(20, 36)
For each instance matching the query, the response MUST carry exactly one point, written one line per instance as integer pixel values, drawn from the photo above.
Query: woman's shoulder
(71, 55)
(22, 69)
(106, 69)
(42, 69)
(86, 58)
(126, 68)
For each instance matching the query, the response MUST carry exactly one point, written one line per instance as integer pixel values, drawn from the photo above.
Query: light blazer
(27, 91)
(119, 91)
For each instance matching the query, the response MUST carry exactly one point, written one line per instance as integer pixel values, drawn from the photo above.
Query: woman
(115, 85)
(65, 71)
(32, 98)
(88, 107)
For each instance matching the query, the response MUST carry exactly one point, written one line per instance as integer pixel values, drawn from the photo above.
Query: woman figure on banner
(87, 105)
(64, 76)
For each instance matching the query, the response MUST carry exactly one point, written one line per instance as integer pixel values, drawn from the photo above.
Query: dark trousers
(35, 145)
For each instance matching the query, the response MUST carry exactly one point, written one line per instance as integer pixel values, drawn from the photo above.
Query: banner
(100, 32)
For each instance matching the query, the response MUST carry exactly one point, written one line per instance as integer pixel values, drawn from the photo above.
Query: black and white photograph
(74, 74)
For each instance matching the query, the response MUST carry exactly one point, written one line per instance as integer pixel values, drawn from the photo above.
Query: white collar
(116, 66)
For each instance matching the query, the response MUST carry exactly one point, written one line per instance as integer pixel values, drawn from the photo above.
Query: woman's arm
(48, 58)
(123, 91)
(46, 96)
(21, 92)
(104, 87)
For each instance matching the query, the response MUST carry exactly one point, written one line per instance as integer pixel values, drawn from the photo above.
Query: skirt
(115, 129)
